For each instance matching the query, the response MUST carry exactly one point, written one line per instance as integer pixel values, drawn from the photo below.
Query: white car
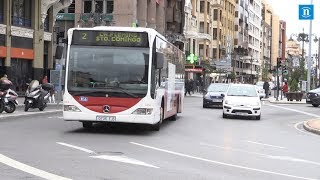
(242, 100)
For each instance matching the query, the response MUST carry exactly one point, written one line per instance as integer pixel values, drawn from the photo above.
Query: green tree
(293, 85)
(265, 73)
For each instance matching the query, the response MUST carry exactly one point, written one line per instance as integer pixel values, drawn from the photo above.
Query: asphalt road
(199, 145)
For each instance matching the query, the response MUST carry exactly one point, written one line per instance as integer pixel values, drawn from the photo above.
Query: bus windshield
(108, 71)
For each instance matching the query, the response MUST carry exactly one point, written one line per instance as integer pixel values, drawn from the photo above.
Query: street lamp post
(317, 40)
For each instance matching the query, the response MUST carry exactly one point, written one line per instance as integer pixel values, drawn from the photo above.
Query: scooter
(37, 95)
(10, 101)
(4, 87)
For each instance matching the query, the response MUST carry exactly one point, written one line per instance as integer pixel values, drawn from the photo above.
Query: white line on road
(222, 163)
(294, 110)
(285, 158)
(77, 147)
(263, 144)
(123, 159)
(28, 169)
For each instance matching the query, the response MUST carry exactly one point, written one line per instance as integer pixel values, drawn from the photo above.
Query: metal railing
(21, 21)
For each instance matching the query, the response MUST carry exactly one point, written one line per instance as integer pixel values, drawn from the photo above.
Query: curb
(311, 129)
(26, 114)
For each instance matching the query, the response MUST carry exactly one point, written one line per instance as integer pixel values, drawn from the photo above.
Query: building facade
(26, 46)
(266, 35)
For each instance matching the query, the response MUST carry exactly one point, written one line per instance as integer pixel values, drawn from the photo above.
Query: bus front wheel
(156, 127)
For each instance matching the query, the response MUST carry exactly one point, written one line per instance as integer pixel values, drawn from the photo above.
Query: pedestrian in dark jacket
(266, 88)
(188, 86)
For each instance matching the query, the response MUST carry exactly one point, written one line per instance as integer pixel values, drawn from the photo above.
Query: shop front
(21, 68)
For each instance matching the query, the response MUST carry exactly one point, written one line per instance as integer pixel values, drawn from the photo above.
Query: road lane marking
(294, 110)
(29, 169)
(233, 149)
(117, 158)
(221, 163)
(124, 159)
(263, 144)
(77, 147)
(285, 158)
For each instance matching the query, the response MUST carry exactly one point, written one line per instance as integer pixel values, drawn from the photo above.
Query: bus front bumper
(114, 118)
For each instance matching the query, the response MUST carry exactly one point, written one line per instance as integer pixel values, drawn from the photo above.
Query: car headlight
(207, 96)
(228, 102)
(71, 108)
(143, 111)
(256, 104)
(316, 94)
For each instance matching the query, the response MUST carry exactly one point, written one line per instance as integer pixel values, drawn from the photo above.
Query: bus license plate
(106, 118)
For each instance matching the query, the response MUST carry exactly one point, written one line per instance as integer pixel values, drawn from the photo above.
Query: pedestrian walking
(188, 87)
(285, 88)
(266, 88)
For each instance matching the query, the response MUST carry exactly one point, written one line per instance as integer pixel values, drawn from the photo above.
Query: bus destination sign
(110, 38)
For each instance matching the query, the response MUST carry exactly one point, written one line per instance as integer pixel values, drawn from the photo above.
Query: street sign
(285, 72)
(306, 12)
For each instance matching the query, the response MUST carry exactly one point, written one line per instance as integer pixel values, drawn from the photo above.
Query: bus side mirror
(159, 60)
(59, 52)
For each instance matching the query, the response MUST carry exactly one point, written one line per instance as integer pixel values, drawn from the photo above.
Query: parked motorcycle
(37, 95)
(10, 101)
(4, 87)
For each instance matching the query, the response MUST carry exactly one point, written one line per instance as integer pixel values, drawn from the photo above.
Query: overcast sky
(288, 10)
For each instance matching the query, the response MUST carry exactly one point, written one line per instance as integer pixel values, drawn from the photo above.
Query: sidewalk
(284, 100)
(312, 126)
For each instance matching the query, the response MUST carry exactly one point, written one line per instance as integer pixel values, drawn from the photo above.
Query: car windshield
(316, 90)
(218, 88)
(118, 71)
(249, 91)
(260, 83)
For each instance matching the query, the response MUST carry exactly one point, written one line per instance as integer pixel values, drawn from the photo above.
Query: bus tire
(87, 125)
(156, 127)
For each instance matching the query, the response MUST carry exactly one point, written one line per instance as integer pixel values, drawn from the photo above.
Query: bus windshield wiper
(77, 93)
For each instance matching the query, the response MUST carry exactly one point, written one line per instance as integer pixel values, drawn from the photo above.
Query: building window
(87, 6)
(215, 33)
(201, 50)
(201, 27)
(46, 24)
(21, 13)
(215, 14)
(71, 8)
(236, 14)
(201, 6)
(98, 7)
(207, 51)
(214, 53)
(109, 9)
(208, 28)
(208, 8)
(1, 10)
(235, 27)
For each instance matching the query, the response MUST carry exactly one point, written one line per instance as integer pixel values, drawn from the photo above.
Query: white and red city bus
(122, 74)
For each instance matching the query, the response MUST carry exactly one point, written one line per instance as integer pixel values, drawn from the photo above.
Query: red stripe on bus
(116, 105)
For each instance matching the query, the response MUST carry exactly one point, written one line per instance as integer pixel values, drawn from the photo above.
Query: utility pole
(309, 58)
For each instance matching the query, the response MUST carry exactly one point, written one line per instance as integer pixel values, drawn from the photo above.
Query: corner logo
(306, 12)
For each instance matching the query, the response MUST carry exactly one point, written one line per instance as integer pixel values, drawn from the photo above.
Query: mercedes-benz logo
(106, 109)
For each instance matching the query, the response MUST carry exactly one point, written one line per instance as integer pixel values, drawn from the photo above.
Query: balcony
(20, 21)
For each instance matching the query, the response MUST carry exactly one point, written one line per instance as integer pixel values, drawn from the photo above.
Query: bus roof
(120, 28)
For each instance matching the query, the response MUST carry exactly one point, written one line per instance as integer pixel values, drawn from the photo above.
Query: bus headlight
(71, 108)
(143, 111)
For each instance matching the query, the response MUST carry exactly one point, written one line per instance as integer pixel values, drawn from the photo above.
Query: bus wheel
(156, 127)
(87, 125)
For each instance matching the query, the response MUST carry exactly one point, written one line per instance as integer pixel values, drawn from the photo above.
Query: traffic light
(278, 62)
